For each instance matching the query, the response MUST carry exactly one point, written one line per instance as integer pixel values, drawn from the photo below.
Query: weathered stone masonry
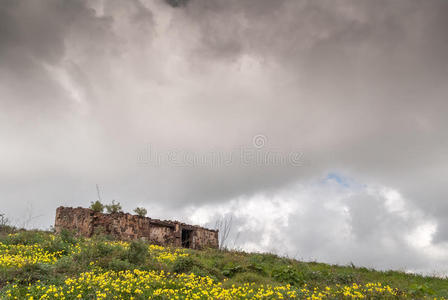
(125, 226)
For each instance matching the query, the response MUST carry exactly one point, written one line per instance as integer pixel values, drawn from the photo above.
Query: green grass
(240, 267)
(229, 267)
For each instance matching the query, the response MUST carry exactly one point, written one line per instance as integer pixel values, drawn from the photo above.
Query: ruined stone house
(86, 222)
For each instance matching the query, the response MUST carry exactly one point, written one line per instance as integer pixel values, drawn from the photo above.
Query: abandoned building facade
(124, 226)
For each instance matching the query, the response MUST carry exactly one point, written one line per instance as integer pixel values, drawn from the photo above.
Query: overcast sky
(320, 126)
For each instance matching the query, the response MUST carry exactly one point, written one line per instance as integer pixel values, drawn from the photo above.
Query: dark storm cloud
(371, 74)
(32, 35)
(358, 87)
(177, 3)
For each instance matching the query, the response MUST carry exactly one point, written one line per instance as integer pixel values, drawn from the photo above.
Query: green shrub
(119, 265)
(231, 269)
(268, 258)
(183, 264)
(114, 207)
(141, 211)
(97, 206)
(257, 268)
(65, 265)
(420, 290)
(249, 277)
(33, 272)
(104, 249)
(344, 278)
(100, 235)
(137, 252)
(7, 229)
(67, 236)
(56, 245)
(287, 274)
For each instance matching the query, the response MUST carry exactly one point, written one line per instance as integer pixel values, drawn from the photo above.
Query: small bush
(257, 268)
(344, 278)
(100, 235)
(97, 206)
(65, 265)
(68, 236)
(249, 277)
(137, 252)
(287, 274)
(119, 265)
(419, 290)
(56, 245)
(6, 229)
(183, 264)
(231, 269)
(268, 258)
(104, 249)
(114, 207)
(33, 272)
(141, 211)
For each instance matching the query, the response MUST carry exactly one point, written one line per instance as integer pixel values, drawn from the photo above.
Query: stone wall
(206, 237)
(86, 222)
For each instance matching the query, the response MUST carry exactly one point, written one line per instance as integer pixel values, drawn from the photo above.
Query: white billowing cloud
(366, 225)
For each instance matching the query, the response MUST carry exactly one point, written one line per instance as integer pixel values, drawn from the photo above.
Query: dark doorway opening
(187, 238)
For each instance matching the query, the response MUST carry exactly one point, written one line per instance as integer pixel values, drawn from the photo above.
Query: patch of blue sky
(342, 180)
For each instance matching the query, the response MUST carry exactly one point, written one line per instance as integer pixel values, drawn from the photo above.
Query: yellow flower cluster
(354, 291)
(159, 253)
(138, 284)
(164, 254)
(122, 244)
(21, 255)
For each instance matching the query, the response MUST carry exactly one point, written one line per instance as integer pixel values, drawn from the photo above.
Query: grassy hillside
(41, 265)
